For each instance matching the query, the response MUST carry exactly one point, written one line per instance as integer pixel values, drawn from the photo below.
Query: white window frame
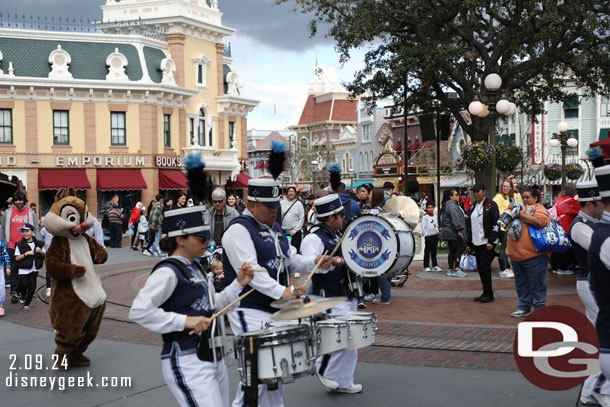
(203, 62)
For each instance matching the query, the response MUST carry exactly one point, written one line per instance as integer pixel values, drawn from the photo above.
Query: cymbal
(405, 207)
(289, 302)
(306, 309)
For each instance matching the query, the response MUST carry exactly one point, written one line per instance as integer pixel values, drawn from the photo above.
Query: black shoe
(478, 299)
(361, 305)
(486, 299)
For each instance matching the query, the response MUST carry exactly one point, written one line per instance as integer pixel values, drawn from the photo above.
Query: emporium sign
(74, 160)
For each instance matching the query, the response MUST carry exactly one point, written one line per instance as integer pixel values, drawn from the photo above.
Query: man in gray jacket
(220, 215)
(13, 219)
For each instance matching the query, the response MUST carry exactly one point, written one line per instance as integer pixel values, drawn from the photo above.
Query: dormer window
(201, 66)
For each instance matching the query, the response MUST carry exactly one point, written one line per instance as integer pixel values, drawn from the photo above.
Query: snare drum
(331, 335)
(282, 352)
(381, 245)
(361, 328)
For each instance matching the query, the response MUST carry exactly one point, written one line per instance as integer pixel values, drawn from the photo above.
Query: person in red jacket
(135, 221)
(466, 201)
(567, 208)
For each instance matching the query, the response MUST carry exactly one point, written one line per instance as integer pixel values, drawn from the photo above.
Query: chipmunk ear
(60, 194)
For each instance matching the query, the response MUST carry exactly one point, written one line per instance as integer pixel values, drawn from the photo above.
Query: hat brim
(21, 229)
(273, 204)
(204, 234)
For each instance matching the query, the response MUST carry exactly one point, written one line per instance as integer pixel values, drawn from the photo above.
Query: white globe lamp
(503, 106)
(512, 110)
(485, 111)
(493, 81)
(554, 142)
(475, 108)
(562, 126)
(572, 142)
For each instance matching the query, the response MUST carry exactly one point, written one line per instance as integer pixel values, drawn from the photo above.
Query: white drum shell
(361, 329)
(399, 246)
(331, 336)
(296, 352)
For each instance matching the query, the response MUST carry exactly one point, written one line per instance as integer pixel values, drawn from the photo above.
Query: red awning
(120, 180)
(57, 179)
(262, 165)
(172, 179)
(241, 181)
(604, 145)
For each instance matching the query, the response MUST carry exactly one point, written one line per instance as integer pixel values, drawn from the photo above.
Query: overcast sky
(271, 50)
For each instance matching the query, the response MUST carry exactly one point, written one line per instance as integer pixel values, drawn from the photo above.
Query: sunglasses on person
(217, 201)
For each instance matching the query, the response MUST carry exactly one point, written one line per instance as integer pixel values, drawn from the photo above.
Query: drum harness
(212, 344)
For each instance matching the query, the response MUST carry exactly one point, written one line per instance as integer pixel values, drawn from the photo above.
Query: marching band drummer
(177, 301)
(256, 238)
(581, 231)
(335, 371)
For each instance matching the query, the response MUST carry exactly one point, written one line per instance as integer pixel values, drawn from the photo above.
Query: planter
(574, 171)
(508, 158)
(477, 156)
(552, 172)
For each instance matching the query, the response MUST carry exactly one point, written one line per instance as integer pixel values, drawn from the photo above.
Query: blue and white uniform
(248, 240)
(330, 283)
(162, 306)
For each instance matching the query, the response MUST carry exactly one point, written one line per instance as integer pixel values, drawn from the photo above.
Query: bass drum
(376, 246)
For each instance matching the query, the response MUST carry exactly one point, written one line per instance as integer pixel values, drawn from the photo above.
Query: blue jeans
(2, 289)
(529, 282)
(386, 289)
(157, 240)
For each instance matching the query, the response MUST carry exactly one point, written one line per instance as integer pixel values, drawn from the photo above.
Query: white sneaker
(48, 292)
(437, 268)
(459, 273)
(506, 274)
(369, 297)
(427, 269)
(356, 388)
(330, 384)
(520, 313)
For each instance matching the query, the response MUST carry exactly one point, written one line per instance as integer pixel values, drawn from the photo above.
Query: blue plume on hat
(277, 157)
(334, 176)
(596, 157)
(198, 179)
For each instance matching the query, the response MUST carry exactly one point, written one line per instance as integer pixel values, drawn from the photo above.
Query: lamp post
(351, 177)
(314, 164)
(491, 102)
(565, 140)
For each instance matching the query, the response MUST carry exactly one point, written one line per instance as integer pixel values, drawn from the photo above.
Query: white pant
(248, 320)
(340, 366)
(583, 288)
(196, 383)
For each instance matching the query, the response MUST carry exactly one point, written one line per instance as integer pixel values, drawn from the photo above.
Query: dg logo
(275, 192)
(556, 348)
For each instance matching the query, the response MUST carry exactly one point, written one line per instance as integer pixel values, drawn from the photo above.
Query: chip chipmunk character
(78, 300)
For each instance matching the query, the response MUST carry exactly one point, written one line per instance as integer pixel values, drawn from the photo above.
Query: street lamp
(565, 140)
(492, 104)
(314, 163)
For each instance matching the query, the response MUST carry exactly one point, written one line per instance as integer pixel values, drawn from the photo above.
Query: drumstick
(225, 309)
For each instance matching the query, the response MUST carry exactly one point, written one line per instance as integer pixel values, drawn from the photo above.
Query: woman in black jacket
(453, 231)
(482, 237)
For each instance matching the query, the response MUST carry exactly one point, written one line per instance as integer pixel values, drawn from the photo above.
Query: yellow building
(112, 110)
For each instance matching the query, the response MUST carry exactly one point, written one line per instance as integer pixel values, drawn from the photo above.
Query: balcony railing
(216, 159)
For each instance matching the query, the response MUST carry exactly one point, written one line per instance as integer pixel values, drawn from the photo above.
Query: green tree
(418, 50)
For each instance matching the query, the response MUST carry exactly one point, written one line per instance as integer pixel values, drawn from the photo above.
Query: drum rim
(274, 331)
(332, 322)
(396, 256)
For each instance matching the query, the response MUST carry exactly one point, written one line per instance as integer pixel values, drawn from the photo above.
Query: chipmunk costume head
(78, 300)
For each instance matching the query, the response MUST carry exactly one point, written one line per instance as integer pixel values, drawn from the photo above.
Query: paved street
(434, 347)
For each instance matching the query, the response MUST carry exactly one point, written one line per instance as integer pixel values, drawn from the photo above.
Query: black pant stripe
(188, 396)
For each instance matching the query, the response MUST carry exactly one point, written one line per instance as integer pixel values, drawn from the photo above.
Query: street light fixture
(492, 104)
(565, 140)
(314, 163)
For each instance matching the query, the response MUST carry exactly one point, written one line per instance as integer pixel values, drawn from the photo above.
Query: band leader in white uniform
(335, 371)
(256, 238)
(177, 300)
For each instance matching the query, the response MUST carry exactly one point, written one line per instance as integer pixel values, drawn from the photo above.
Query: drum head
(370, 247)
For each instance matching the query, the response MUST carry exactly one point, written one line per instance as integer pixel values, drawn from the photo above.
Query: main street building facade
(111, 110)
